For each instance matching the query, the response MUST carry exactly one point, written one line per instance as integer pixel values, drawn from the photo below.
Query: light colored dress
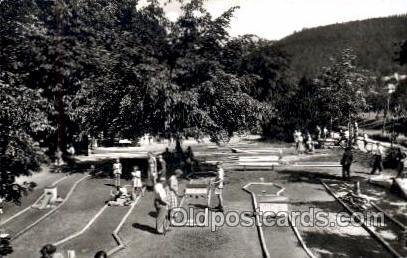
(137, 179)
(117, 168)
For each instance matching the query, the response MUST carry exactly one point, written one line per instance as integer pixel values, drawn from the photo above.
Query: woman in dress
(137, 184)
(301, 147)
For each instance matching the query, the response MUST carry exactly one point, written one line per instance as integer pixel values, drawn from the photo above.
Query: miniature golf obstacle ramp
(317, 164)
(197, 191)
(257, 165)
(269, 205)
(385, 181)
(252, 150)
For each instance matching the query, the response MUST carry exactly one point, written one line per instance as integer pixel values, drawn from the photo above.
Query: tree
(402, 53)
(24, 111)
(400, 95)
(168, 78)
(22, 116)
(342, 87)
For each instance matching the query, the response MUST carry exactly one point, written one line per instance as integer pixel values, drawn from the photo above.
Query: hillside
(374, 42)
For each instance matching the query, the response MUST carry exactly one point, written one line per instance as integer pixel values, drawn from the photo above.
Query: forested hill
(373, 41)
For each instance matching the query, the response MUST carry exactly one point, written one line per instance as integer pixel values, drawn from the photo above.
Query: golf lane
(98, 236)
(142, 241)
(27, 218)
(88, 198)
(42, 181)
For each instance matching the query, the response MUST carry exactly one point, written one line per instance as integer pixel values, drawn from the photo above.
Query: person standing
(295, 136)
(325, 133)
(377, 152)
(137, 184)
(301, 147)
(173, 189)
(161, 167)
(218, 184)
(152, 170)
(319, 133)
(401, 159)
(189, 161)
(117, 172)
(1, 205)
(161, 205)
(355, 132)
(71, 150)
(309, 143)
(346, 162)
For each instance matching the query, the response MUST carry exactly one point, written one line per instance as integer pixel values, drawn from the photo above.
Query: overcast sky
(275, 19)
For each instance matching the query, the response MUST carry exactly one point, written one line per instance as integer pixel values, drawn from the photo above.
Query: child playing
(117, 172)
(137, 184)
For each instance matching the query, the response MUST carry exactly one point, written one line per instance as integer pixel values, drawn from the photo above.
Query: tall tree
(170, 79)
(342, 87)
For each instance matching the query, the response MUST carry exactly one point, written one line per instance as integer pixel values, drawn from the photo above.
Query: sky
(275, 19)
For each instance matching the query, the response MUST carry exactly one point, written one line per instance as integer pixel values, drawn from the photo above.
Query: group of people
(378, 154)
(303, 144)
(167, 193)
(121, 196)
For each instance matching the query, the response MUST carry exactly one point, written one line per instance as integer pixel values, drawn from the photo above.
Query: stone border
(260, 229)
(115, 233)
(80, 232)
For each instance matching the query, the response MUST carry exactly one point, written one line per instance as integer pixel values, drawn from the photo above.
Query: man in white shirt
(161, 204)
(377, 152)
(152, 170)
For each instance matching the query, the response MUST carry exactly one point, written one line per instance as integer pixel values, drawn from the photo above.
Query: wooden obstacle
(272, 204)
(256, 150)
(382, 180)
(316, 164)
(255, 165)
(192, 191)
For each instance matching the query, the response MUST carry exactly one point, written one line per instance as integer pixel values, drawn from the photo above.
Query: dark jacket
(347, 158)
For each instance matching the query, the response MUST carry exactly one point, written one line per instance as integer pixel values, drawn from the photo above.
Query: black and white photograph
(203, 128)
